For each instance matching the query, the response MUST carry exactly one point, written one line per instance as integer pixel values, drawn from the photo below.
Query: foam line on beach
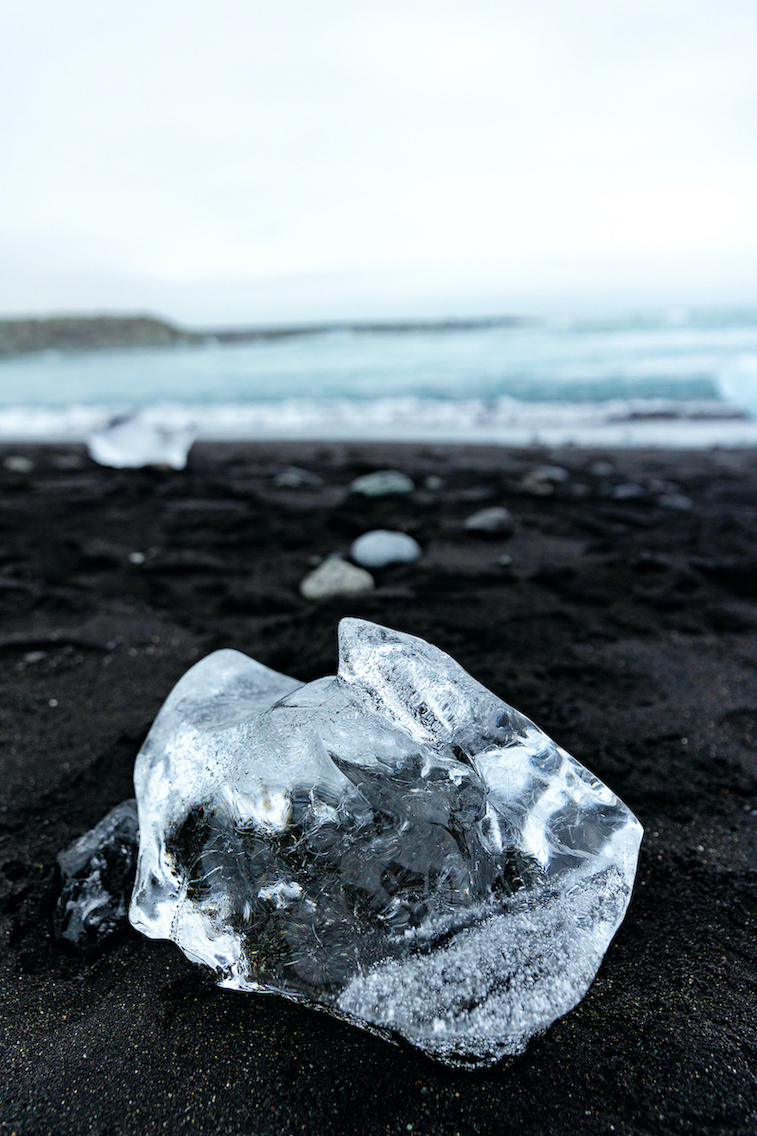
(634, 422)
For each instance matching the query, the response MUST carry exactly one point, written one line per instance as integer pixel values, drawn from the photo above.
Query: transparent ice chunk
(97, 873)
(394, 844)
(135, 440)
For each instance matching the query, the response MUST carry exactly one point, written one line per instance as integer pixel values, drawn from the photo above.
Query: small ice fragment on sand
(335, 577)
(393, 843)
(383, 483)
(380, 547)
(97, 873)
(134, 441)
(496, 521)
(292, 477)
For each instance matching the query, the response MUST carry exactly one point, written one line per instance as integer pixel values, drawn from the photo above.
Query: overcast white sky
(254, 160)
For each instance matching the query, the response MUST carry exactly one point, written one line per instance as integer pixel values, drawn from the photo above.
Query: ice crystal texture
(394, 844)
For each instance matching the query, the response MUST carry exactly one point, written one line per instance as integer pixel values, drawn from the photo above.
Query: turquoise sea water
(669, 378)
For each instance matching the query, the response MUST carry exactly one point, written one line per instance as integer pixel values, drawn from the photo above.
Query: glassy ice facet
(97, 873)
(394, 844)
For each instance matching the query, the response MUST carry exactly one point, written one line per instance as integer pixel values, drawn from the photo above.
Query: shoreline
(624, 626)
(407, 422)
(263, 454)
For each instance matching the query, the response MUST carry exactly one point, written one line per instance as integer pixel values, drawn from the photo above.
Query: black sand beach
(625, 626)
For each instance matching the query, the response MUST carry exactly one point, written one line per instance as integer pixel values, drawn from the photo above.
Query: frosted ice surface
(134, 441)
(394, 844)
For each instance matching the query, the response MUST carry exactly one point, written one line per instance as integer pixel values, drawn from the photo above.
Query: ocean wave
(507, 421)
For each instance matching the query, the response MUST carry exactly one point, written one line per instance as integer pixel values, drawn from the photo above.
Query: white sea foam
(618, 422)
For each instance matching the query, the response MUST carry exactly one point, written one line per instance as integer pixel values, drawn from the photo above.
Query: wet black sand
(626, 629)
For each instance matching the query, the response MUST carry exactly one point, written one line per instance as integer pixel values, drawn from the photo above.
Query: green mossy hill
(85, 333)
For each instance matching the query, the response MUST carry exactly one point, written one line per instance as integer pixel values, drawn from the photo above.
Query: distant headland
(111, 332)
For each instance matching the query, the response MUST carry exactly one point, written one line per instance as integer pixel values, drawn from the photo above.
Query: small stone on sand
(628, 491)
(17, 463)
(292, 477)
(496, 521)
(383, 483)
(335, 577)
(380, 547)
(675, 501)
(541, 480)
